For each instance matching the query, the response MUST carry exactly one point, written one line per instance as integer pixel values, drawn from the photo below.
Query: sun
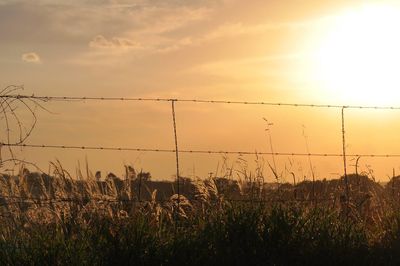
(358, 58)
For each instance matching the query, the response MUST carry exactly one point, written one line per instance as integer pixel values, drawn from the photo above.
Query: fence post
(346, 181)
(176, 155)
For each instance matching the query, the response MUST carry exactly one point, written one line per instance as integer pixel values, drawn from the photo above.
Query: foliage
(64, 221)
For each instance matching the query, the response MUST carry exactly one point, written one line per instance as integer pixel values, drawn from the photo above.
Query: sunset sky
(317, 52)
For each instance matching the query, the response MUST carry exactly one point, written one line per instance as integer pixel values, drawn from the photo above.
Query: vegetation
(57, 220)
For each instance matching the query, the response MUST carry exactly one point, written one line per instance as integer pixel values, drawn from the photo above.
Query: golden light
(358, 59)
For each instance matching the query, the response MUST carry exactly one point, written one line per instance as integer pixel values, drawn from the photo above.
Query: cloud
(73, 22)
(142, 31)
(31, 58)
(101, 42)
(236, 29)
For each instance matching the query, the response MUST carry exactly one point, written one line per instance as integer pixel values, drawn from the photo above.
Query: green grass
(241, 234)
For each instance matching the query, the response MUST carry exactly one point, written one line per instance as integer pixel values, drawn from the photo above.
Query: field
(58, 220)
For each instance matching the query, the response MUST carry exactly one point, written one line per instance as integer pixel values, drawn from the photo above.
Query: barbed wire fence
(10, 102)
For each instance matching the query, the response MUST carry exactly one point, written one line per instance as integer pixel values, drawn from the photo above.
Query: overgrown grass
(62, 221)
(239, 234)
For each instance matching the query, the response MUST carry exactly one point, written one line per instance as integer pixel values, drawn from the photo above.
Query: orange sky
(227, 49)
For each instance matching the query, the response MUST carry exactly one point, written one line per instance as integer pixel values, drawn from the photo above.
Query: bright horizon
(313, 52)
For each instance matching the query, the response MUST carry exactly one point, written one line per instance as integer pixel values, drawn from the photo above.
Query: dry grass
(138, 215)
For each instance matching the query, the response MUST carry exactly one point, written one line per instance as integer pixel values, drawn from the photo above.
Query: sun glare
(358, 59)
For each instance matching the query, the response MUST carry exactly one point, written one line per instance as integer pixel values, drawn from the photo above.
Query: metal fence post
(176, 156)
(346, 181)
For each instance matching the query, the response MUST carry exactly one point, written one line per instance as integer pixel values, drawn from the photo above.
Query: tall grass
(104, 224)
(234, 235)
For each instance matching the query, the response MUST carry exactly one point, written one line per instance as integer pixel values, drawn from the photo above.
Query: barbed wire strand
(76, 147)
(83, 98)
(36, 200)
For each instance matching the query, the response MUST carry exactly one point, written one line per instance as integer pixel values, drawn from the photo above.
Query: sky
(212, 49)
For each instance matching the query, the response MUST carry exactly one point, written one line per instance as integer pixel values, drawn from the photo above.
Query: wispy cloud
(151, 31)
(236, 29)
(101, 42)
(104, 32)
(31, 58)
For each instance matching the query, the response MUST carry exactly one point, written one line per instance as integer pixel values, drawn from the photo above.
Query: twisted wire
(83, 98)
